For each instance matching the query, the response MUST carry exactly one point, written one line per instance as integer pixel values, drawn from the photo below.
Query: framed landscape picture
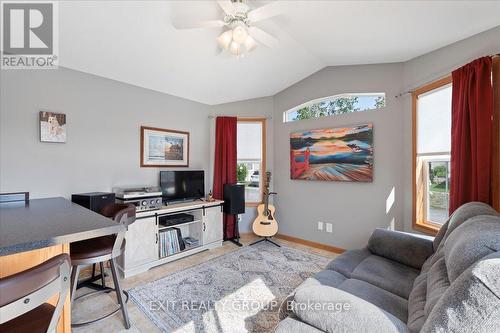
(164, 147)
(52, 127)
(337, 154)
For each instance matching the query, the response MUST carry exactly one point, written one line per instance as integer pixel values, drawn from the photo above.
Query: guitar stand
(265, 239)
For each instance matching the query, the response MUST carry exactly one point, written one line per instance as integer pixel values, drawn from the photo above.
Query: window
(251, 143)
(431, 150)
(335, 105)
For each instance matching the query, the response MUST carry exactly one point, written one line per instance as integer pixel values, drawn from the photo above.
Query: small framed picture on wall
(164, 147)
(52, 127)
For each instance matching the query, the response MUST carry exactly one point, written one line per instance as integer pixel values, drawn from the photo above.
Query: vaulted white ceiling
(135, 41)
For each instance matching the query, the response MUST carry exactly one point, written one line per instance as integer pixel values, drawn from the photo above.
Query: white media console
(142, 247)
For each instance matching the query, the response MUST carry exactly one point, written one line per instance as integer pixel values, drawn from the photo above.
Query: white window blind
(434, 121)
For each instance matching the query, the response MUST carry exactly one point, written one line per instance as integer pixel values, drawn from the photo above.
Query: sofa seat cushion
(386, 274)
(347, 262)
(324, 278)
(394, 304)
(330, 309)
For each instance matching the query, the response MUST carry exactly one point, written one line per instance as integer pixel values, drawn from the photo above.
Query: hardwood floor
(95, 305)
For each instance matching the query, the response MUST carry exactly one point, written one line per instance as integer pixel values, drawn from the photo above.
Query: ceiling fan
(240, 35)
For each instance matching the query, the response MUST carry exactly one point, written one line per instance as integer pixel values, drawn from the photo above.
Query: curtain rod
(211, 116)
(423, 84)
(428, 82)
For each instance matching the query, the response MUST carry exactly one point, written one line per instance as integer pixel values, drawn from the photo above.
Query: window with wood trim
(251, 164)
(335, 105)
(431, 155)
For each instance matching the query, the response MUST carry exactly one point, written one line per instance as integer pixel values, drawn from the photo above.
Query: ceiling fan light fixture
(235, 48)
(240, 34)
(250, 43)
(224, 40)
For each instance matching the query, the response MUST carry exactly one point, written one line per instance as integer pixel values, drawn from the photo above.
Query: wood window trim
(262, 171)
(418, 223)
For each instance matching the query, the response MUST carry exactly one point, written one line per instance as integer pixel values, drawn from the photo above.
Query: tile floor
(93, 306)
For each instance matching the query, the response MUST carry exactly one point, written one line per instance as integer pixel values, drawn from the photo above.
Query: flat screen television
(182, 185)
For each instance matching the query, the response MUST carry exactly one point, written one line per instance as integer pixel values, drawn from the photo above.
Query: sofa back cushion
(416, 306)
(471, 303)
(463, 245)
(473, 240)
(461, 214)
(437, 283)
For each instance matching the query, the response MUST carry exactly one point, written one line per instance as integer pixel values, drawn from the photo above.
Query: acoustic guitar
(265, 225)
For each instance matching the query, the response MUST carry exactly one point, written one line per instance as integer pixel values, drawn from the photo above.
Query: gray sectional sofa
(408, 283)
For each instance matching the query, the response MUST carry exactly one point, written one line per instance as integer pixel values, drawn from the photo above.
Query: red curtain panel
(225, 164)
(471, 133)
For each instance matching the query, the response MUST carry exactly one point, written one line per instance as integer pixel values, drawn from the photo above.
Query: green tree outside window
(241, 172)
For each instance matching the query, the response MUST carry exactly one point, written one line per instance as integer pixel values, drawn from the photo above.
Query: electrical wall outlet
(329, 227)
(320, 225)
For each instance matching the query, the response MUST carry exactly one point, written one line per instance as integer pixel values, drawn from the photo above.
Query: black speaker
(93, 201)
(234, 199)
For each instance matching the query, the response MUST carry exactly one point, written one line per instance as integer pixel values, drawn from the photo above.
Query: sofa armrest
(406, 248)
(333, 310)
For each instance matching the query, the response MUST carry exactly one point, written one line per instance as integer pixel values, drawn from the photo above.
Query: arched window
(335, 105)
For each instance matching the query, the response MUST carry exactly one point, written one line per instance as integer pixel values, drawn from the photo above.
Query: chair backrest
(121, 213)
(26, 290)
(14, 198)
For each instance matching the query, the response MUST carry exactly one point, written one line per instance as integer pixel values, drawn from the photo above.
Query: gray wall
(104, 118)
(103, 121)
(354, 209)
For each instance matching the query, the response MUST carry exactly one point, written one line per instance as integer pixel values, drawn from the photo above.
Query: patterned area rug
(236, 292)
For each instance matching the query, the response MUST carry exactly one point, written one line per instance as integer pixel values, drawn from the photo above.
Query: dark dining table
(41, 223)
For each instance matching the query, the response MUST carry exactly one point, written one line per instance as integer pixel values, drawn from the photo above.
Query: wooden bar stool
(23, 297)
(98, 251)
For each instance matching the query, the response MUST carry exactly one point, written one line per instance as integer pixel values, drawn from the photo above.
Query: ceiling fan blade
(183, 25)
(263, 37)
(227, 6)
(265, 12)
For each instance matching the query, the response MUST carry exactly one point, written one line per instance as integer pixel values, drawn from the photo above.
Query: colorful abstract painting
(338, 154)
